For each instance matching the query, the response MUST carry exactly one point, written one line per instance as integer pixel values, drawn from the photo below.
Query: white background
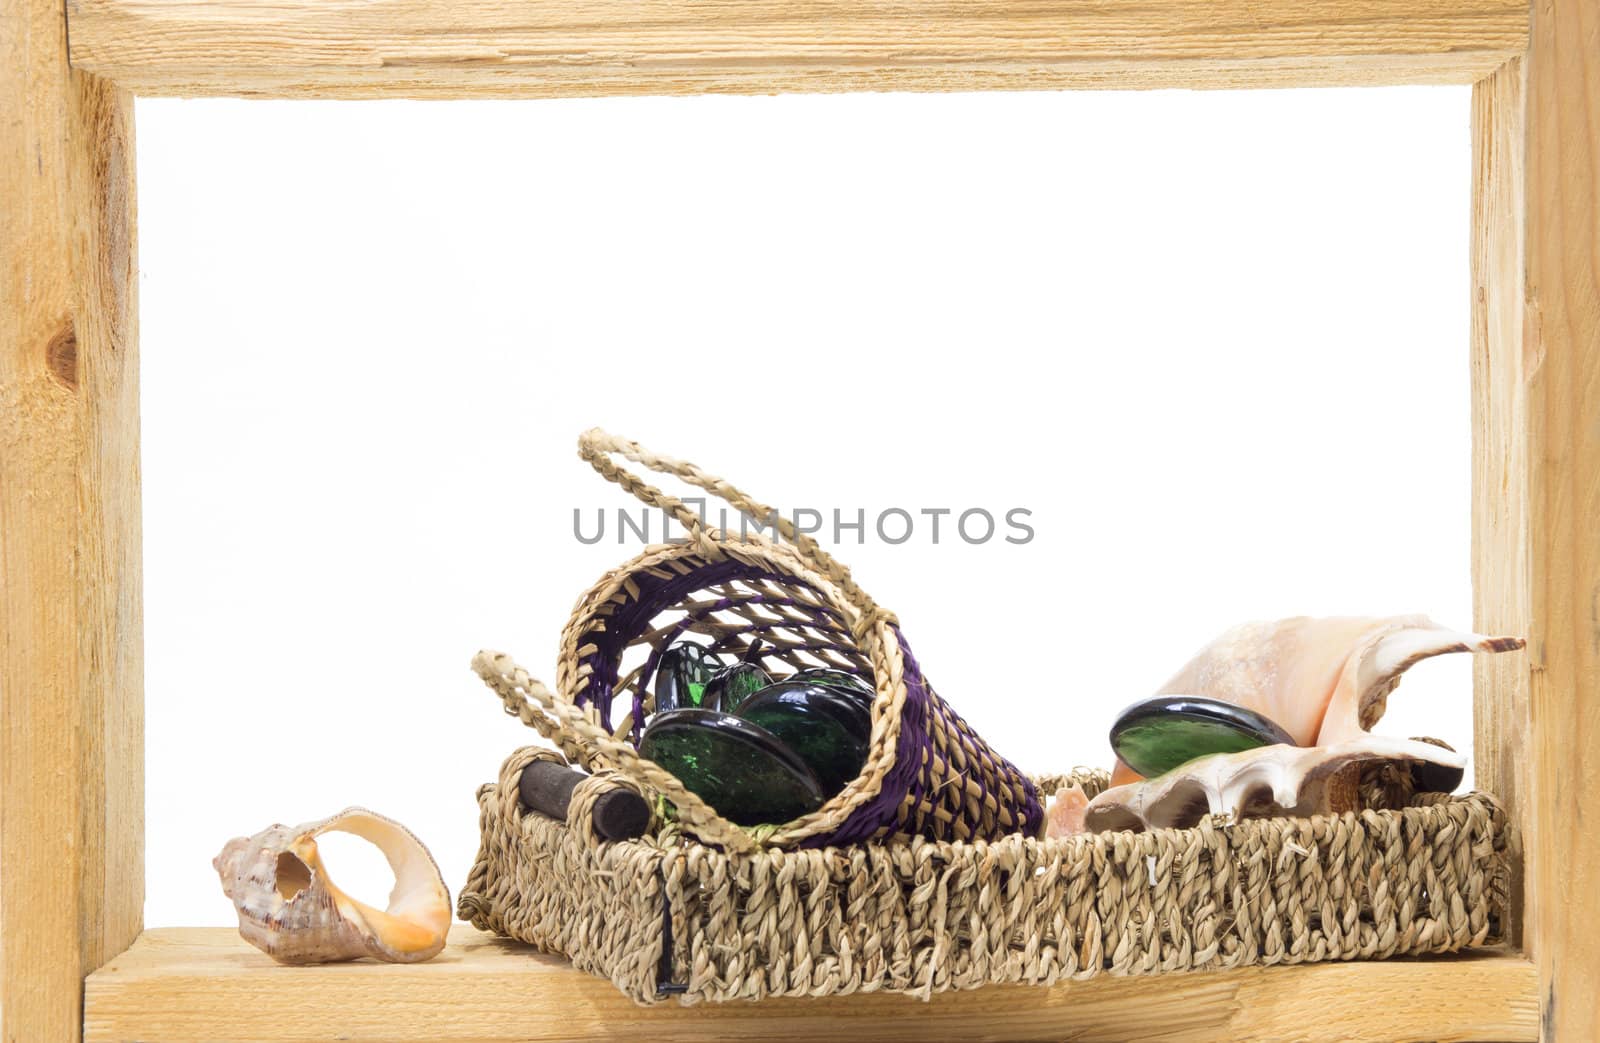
(1216, 343)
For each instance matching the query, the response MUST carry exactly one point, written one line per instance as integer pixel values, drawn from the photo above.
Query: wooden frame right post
(1536, 489)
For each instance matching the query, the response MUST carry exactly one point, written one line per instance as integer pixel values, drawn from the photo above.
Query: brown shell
(290, 908)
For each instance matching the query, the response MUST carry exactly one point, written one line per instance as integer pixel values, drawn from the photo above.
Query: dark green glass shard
(843, 680)
(828, 729)
(1156, 735)
(734, 765)
(682, 674)
(733, 685)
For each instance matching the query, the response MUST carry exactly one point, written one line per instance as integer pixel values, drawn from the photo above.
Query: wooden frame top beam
(552, 48)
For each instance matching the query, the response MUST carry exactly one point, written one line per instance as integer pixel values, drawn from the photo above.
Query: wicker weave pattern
(926, 773)
(926, 872)
(925, 916)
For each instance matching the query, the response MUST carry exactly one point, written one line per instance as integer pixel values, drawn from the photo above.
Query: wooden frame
(71, 749)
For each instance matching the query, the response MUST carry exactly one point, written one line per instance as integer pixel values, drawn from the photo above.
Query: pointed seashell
(290, 909)
(1326, 681)
(1263, 782)
(1323, 680)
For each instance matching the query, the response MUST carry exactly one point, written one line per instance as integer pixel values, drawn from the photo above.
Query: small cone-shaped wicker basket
(927, 773)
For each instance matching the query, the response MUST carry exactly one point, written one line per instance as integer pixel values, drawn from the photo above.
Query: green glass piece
(828, 729)
(734, 765)
(829, 676)
(682, 675)
(733, 685)
(1157, 735)
(842, 680)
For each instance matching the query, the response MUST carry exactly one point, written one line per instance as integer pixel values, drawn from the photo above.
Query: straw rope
(595, 446)
(534, 705)
(927, 916)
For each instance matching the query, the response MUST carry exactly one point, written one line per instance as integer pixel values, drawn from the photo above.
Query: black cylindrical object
(619, 813)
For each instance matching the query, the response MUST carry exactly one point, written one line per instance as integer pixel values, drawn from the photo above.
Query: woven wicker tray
(667, 916)
(926, 872)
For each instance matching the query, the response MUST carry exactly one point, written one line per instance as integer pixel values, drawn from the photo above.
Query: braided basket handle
(596, 446)
(558, 720)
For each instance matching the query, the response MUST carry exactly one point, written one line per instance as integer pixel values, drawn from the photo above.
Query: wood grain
(1500, 524)
(1557, 361)
(71, 706)
(191, 984)
(1536, 367)
(549, 48)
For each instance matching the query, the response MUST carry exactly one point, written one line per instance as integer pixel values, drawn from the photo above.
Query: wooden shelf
(71, 602)
(545, 48)
(205, 984)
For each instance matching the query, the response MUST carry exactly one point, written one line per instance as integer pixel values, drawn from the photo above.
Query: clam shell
(290, 908)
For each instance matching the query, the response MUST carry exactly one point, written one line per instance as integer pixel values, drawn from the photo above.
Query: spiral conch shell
(1326, 681)
(290, 909)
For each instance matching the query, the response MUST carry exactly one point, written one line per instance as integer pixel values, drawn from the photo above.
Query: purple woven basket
(927, 772)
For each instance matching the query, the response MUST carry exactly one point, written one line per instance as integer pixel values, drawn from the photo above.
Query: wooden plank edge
(189, 984)
(554, 48)
(1557, 345)
(602, 80)
(1500, 464)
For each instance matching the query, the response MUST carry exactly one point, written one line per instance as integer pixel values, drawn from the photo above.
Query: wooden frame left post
(71, 617)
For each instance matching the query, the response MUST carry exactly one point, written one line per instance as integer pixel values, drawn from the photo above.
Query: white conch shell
(1325, 681)
(290, 909)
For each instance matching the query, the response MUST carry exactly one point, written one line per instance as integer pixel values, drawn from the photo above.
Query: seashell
(1323, 680)
(1065, 815)
(1326, 681)
(290, 909)
(1266, 781)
